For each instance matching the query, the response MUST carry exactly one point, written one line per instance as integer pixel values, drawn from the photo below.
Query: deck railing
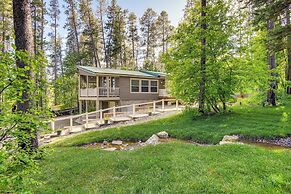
(102, 92)
(114, 112)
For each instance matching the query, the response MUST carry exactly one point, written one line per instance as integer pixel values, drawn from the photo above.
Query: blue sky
(173, 7)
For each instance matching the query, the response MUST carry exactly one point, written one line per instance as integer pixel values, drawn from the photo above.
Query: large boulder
(163, 135)
(153, 140)
(230, 139)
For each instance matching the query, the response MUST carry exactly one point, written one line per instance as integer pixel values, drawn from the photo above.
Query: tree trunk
(103, 33)
(271, 96)
(72, 7)
(201, 102)
(55, 58)
(24, 42)
(288, 72)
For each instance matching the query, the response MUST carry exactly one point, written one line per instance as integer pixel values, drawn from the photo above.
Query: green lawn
(167, 168)
(248, 121)
(176, 167)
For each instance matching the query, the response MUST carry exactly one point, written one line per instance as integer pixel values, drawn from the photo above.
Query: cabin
(106, 88)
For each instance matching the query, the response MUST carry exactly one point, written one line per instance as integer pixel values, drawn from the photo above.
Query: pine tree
(149, 38)
(101, 10)
(72, 25)
(115, 30)
(133, 39)
(90, 32)
(164, 30)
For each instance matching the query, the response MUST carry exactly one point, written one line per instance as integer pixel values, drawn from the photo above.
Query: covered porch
(98, 86)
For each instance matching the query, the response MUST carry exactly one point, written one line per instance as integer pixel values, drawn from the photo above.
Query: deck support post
(86, 106)
(87, 85)
(107, 86)
(101, 116)
(154, 106)
(163, 104)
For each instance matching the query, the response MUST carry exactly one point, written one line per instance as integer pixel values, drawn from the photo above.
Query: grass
(176, 167)
(167, 168)
(252, 122)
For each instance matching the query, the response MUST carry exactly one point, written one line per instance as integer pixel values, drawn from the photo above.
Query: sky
(173, 7)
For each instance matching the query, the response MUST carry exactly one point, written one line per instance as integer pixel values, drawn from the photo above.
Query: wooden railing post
(87, 118)
(53, 125)
(154, 106)
(177, 104)
(114, 111)
(133, 109)
(71, 123)
(101, 116)
(163, 104)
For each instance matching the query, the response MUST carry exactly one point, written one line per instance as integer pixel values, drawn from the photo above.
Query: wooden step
(120, 119)
(136, 116)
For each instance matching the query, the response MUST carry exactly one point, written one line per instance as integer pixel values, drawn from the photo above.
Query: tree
(201, 100)
(149, 37)
(133, 38)
(24, 42)
(90, 32)
(5, 26)
(164, 29)
(193, 78)
(55, 44)
(101, 10)
(115, 30)
(72, 26)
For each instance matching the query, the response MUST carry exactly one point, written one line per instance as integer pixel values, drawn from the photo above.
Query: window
(154, 86)
(144, 86)
(134, 85)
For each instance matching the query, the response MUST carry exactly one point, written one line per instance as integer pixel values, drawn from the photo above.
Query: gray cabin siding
(124, 85)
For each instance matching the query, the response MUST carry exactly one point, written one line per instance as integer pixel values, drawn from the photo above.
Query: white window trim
(140, 92)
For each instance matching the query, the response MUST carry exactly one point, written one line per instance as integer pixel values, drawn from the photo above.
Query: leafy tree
(186, 59)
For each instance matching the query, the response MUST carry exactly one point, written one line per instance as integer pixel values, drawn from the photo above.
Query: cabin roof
(140, 73)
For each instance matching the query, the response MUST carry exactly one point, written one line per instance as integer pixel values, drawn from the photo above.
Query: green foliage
(19, 129)
(183, 59)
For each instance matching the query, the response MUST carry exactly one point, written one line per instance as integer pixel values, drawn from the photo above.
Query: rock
(153, 140)
(105, 142)
(230, 138)
(65, 132)
(116, 142)
(163, 135)
(110, 149)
